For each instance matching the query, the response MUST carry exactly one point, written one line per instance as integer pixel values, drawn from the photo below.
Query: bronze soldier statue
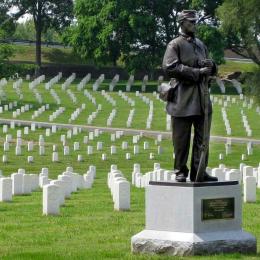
(186, 61)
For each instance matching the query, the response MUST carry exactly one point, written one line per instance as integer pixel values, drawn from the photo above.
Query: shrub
(7, 69)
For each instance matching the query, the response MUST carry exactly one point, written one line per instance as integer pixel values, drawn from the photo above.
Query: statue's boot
(207, 178)
(180, 177)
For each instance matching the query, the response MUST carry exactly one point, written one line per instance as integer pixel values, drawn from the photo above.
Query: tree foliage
(26, 31)
(134, 32)
(240, 21)
(46, 14)
(214, 41)
(7, 25)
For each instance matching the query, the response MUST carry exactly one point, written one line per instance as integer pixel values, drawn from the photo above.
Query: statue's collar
(189, 38)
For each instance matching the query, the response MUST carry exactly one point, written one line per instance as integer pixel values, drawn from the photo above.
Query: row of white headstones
(74, 115)
(119, 188)
(230, 102)
(246, 175)
(54, 191)
(78, 110)
(76, 145)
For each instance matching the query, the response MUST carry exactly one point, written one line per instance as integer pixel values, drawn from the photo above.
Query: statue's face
(188, 26)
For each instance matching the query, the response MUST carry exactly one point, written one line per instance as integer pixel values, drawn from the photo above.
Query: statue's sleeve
(175, 69)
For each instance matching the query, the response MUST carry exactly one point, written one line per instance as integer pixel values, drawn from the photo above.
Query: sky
(22, 19)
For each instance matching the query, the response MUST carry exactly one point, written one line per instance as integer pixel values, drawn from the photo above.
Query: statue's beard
(191, 34)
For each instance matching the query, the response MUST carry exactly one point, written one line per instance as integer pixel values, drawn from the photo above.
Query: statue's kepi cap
(190, 15)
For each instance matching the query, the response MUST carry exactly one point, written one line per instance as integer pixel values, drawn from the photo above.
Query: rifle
(204, 147)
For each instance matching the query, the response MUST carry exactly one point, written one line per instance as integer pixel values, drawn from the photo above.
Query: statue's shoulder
(175, 41)
(200, 43)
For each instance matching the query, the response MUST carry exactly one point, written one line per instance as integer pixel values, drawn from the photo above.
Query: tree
(100, 30)
(240, 21)
(207, 10)
(26, 31)
(46, 14)
(214, 41)
(134, 31)
(7, 27)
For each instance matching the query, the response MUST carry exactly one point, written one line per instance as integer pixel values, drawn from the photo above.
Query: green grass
(88, 227)
(67, 56)
(49, 55)
(123, 109)
(232, 66)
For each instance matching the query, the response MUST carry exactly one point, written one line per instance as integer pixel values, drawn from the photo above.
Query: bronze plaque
(222, 208)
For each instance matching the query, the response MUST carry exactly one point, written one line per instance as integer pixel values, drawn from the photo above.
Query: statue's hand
(206, 71)
(208, 63)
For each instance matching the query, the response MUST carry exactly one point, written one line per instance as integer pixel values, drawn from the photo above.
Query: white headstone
(51, 199)
(5, 189)
(90, 150)
(122, 195)
(17, 183)
(250, 189)
(104, 156)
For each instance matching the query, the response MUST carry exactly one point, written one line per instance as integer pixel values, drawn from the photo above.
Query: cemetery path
(165, 134)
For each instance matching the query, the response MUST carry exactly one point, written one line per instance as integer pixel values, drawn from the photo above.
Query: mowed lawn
(234, 110)
(88, 227)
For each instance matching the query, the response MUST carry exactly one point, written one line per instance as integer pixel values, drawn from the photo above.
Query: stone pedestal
(193, 219)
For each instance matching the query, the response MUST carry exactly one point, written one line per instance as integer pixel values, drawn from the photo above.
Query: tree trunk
(38, 29)
(38, 46)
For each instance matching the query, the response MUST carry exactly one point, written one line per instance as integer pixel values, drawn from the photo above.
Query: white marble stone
(17, 183)
(34, 181)
(136, 149)
(90, 149)
(54, 148)
(85, 139)
(5, 189)
(219, 173)
(51, 199)
(18, 150)
(99, 146)
(124, 145)
(27, 184)
(5, 158)
(250, 189)
(156, 166)
(66, 150)
(30, 146)
(122, 195)
(62, 186)
(247, 171)
(76, 146)
(188, 244)
(146, 145)
(6, 146)
(167, 214)
(233, 175)
(41, 150)
(30, 159)
(113, 149)
(43, 180)
(55, 157)
(67, 185)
